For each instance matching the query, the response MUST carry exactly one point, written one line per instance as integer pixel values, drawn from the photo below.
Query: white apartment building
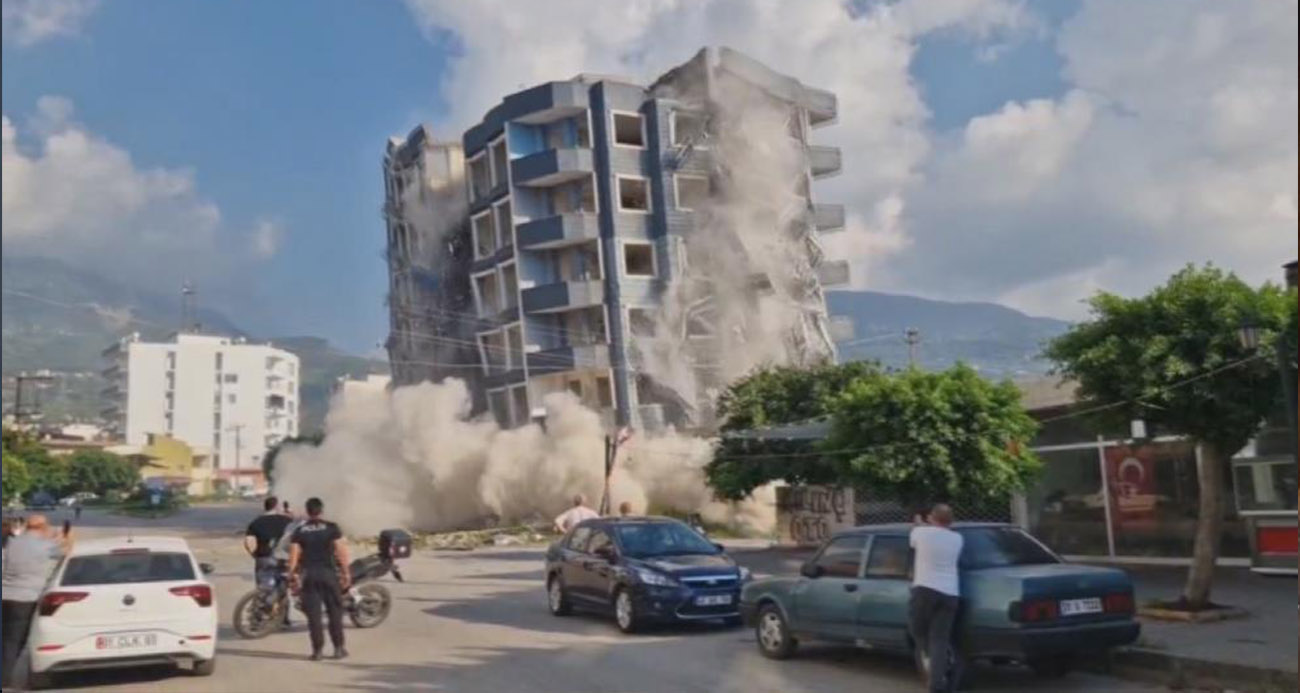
(215, 393)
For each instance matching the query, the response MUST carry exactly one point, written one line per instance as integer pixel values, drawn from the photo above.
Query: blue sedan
(1020, 602)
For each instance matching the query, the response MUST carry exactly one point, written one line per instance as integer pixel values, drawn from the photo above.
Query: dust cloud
(414, 457)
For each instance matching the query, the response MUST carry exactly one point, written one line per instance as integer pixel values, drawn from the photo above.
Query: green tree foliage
(913, 435)
(45, 472)
(1175, 359)
(268, 460)
(919, 436)
(772, 397)
(100, 472)
(15, 478)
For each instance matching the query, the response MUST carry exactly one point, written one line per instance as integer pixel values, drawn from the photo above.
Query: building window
(505, 225)
(216, 421)
(629, 129)
(638, 259)
(603, 394)
(232, 377)
(510, 286)
(230, 398)
(519, 397)
(485, 286)
(479, 177)
(219, 360)
(171, 360)
(485, 237)
(794, 126)
(633, 194)
(171, 381)
(500, 407)
(515, 346)
(499, 162)
(641, 321)
(575, 386)
(692, 192)
(688, 128)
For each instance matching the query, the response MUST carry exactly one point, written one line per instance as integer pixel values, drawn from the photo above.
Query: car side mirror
(811, 570)
(606, 552)
(207, 568)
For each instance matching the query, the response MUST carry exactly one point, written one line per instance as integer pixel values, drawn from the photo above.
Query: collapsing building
(638, 246)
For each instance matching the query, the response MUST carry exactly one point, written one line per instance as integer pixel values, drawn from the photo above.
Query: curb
(1177, 672)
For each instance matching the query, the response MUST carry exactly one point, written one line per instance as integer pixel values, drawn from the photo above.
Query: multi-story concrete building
(214, 393)
(601, 229)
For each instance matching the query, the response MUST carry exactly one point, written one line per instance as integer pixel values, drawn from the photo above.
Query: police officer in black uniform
(318, 566)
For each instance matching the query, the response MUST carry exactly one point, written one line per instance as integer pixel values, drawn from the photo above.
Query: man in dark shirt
(260, 539)
(318, 566)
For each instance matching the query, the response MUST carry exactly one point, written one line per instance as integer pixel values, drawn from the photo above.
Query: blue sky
(281, 111)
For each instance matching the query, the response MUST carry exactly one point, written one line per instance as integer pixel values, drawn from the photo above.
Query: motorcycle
(367, 603)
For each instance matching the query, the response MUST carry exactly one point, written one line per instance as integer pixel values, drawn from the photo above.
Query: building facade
(611, 244)
(215, 393)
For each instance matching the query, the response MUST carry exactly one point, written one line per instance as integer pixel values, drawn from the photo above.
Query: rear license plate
(1074, 607)
(713, 600)
(128, 641)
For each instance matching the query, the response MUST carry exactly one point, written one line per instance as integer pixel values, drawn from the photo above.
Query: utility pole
(189, 316)
(913, 338)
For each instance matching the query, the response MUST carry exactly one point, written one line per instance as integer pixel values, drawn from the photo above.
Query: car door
(573, 560)
(598, 570)
(882, 613)
(826, 605)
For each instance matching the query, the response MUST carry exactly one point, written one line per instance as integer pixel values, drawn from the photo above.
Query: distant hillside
(995, 339)
(58, 317)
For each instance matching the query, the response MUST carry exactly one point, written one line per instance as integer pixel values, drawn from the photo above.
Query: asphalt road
(477, 621)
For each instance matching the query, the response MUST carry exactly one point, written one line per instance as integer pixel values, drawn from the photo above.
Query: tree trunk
(1209, 526)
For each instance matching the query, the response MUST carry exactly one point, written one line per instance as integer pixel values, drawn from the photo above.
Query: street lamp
(1248, 334)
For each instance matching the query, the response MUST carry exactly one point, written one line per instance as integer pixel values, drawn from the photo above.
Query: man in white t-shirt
(936, 590)
(574, 515)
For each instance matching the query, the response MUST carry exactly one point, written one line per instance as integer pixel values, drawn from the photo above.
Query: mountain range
(59, 317)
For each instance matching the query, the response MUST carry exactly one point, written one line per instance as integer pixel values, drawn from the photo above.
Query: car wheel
(957, 664)
(557, 598)
(1052, 667)
(775, 640)
(204, 667)
(625, 614)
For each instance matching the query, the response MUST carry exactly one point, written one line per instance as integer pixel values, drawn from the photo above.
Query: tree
(45, 472)
(920, 437)
(771, 397)
(100, 472)
(268, 460)
(16, 479)
(1174, 358)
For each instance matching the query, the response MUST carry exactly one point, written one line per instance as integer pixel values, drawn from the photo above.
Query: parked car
(1020, 602)
(40, 500)
(644, 569)
(79, 497)
(125, 602)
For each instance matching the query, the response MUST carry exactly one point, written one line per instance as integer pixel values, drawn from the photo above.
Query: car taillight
(1034, 611)
(1121, 603)
(53, 600)
(202, 594)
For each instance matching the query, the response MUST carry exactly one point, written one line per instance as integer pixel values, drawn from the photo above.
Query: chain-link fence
(873, 510)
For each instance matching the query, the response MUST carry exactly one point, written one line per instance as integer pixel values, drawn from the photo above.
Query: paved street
(477, 621)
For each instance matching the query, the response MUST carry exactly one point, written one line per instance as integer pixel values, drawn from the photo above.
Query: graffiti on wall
(809, 515)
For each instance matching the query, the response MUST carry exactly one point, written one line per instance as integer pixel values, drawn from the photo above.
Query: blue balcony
(562, 296)
(552, 167)
(558, 231)
(828, 217)
(824, 161)
(568, 358)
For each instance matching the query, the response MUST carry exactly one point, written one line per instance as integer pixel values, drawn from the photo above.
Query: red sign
(1131, 476)
(1276, 541)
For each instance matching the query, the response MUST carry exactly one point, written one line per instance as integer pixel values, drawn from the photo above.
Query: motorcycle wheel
(371, 606)
(253, 619)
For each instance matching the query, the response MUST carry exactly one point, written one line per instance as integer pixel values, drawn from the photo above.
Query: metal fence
(869, 510)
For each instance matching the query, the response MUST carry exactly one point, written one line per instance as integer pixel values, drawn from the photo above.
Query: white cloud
(266, 238)
(71, 194)
(862, 56)
(29, 22)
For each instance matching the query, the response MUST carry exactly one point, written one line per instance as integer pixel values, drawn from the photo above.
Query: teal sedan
(1020, 602)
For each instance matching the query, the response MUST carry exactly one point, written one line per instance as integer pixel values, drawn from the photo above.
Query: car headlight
(650, 577)
(745, 575)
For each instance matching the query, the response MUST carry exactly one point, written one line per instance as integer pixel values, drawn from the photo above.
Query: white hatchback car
(125, 602)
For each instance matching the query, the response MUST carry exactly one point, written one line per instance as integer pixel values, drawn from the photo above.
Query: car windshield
(998, 547)
(121, 568)
(643, 540)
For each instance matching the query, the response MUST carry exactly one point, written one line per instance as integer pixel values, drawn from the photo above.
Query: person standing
(29, 559)
(936, 591)
(571, 517)
(318, 567)
(625, 509)
(260, 539)
(76, 509)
